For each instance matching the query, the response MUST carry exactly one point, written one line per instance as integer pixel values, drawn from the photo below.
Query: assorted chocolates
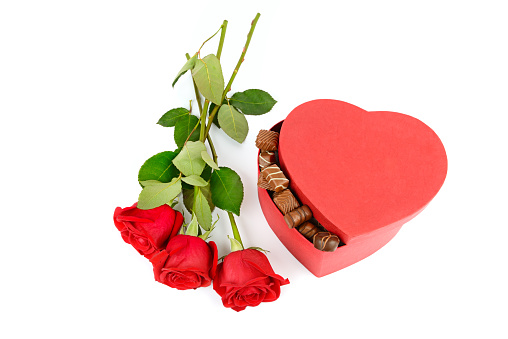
(272, 179)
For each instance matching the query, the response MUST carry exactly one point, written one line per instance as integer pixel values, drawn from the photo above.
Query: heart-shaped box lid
(360, 171)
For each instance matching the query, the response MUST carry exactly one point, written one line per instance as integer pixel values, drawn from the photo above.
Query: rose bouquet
(179, 252)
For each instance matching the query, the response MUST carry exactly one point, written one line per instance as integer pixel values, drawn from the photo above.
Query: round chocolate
(325, 241)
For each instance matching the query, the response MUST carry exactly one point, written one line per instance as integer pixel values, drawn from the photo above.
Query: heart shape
(363, 174)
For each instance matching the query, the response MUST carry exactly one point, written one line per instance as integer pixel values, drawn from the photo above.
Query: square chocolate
(263, 183)
(267, 140)
(285, 201)
(266, 158)
(276, 179)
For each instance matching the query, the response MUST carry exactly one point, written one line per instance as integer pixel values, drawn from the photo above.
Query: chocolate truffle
(266, 158)
(276, 179)
(308, 229)
(267, 140)
(263, 183)
(325, 241)
(298, 216)
(285, 201)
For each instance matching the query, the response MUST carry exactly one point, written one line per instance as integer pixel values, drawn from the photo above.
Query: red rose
(187, 262)
(148, 231)
(245, 278)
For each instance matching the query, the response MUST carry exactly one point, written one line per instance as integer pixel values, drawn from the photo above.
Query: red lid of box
(360, 171)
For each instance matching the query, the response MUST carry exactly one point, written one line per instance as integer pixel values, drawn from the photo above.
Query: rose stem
(214, 155)
(195, 126)
(204, 112)
(236, 234)
(198, 97)
(234, 227)
(240, 61)
(206, 135)
(222, 36)
(219, 52)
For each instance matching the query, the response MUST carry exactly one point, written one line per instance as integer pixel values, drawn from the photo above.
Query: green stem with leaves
(234, 227)
(238, 64)
(204, 111)
(205, 128)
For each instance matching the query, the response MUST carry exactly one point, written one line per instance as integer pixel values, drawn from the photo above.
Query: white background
(82, 84)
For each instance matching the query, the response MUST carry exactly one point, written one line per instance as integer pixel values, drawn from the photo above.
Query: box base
(318, 262)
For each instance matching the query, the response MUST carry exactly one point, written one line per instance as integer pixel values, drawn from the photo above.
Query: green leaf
(195, 180)
(159, 194)
(188, 197)
(216, 117)
(170, 118)
(207, 74)
(235, 245)
(202, 209)
(159, 167)
(183, 129)
(149, 182)
(233, 123)
(189, 160)
(207, 173)
(206, 157)
(227, 190)
(253, 101)
(188, 65)
(193, 228)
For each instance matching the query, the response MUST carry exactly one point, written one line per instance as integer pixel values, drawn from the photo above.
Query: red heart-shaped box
(363, 174)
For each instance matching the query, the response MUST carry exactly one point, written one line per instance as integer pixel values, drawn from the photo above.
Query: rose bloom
(148, 231)
(246, 278)
(187, 262)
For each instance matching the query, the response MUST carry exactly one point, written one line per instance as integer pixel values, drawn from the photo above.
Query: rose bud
(148, 231)
(246, 278)
(187, 262)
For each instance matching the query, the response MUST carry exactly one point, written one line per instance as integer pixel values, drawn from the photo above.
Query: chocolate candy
(276, 179)
(308, 229)
(267, 140)
(285, 201)
(263, 183)
(325, 241)
(298, 216)
(266, 158)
